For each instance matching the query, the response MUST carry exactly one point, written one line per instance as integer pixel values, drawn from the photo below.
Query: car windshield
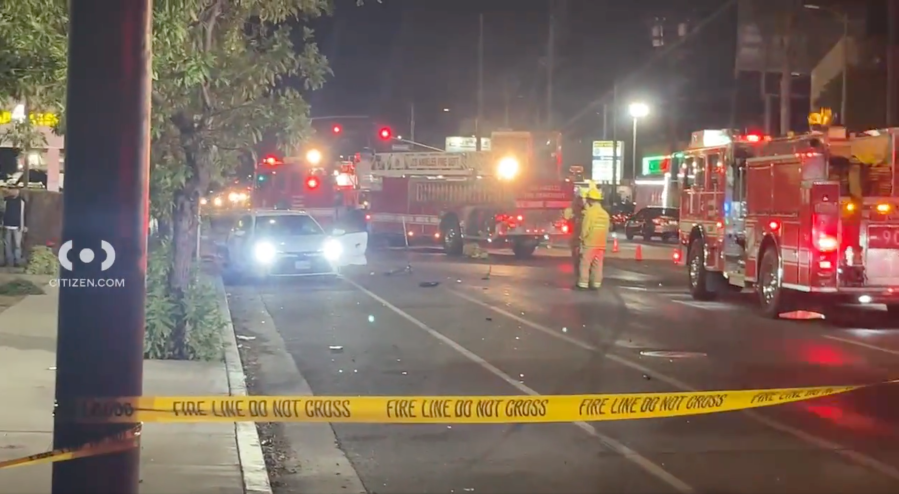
(287, 226)
(656, 212)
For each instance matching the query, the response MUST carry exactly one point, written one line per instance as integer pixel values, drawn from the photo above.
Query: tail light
(565, 228)
(826, 243)
(367, 217)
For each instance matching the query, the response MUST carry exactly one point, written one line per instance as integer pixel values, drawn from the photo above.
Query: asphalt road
(511, 327)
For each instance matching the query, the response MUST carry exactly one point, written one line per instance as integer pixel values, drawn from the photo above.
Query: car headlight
(332, 250)
(508, 168)
(265, 252)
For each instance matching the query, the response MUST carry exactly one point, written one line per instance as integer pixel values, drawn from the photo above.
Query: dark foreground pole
(99, 349)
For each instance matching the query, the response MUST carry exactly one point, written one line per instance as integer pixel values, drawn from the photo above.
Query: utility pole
(550, 64)
(478, 130)
(100, 340)
(605, 122)
(615, 143)
(412, 121)
(892, 80)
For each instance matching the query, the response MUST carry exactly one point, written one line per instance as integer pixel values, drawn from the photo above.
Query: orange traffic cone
(614, 245)
(638, 255)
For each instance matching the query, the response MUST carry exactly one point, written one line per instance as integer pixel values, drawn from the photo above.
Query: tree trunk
(184, 240)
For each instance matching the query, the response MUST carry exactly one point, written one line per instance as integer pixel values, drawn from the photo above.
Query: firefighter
(593, 233)
(574, 214)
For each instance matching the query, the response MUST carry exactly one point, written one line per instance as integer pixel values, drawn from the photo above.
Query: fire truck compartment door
(354, 246)
(882, 254)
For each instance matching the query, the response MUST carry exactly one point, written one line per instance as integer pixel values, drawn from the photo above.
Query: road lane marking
(861, 344)
(819, 442)
(610, 443)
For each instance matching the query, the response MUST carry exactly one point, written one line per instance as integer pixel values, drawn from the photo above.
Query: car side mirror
(338, 232)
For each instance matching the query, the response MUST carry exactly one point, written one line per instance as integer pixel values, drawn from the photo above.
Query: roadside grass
(19, 287)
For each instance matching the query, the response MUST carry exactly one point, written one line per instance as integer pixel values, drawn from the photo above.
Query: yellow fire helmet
(591, 192)
(594, 194)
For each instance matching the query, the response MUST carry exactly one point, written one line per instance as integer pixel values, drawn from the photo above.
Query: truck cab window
(714, 173)
(686, 173)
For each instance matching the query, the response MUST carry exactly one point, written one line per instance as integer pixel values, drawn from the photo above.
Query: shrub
(19, 287)
(43, 261)
(201, 308)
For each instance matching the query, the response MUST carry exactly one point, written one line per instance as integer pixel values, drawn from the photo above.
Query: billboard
(762, 26)
(459, 144)
(602, 162)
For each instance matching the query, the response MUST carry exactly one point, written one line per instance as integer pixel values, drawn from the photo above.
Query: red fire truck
(323, 191)
(511, 195)
(799, 218)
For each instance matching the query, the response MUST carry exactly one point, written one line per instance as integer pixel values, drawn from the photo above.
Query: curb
(249, 448)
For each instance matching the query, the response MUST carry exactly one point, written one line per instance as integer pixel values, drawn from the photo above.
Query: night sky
(387, 56)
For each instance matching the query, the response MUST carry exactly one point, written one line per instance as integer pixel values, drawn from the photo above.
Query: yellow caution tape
(440, 409)
(120, 442)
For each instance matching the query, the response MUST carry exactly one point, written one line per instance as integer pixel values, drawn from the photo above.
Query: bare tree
(779, 26)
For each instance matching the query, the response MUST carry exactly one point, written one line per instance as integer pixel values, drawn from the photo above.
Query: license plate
(883, 237)
(302, 265)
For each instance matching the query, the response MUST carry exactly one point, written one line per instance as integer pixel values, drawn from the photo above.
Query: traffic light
(385, 134)
(311, 183)
(271, 160)
(336, 129)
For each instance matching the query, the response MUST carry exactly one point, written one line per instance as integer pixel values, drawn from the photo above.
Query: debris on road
(245, 338)
(336, 349)
(429, 284)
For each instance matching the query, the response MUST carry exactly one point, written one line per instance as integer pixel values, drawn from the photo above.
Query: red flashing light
(773, 226)
(826, 243)
(753, 138)
(385, 133)
(270, 160)
(311, 183)
(520, 218)
(367, 217)
(337, 129)
(675, 256)
(565, 228)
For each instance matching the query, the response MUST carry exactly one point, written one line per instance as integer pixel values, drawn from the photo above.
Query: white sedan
(289, 243)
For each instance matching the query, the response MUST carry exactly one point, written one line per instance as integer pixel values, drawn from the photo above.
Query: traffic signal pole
(99, 349)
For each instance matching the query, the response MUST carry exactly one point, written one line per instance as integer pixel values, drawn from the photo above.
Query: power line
(590, 108)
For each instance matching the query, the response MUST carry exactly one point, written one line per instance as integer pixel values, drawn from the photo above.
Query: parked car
(653, 222)
(619, 213)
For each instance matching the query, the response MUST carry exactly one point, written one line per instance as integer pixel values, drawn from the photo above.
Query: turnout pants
(590, 269)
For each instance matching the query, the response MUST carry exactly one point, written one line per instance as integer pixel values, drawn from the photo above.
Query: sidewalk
(175, 458)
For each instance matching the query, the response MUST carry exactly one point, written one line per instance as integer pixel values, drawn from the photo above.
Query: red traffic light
(311, 183)
(385, 133)
(336, 129)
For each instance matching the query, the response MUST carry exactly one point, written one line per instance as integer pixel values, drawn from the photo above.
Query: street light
(314, 156)
(844, 16)
(637, 111)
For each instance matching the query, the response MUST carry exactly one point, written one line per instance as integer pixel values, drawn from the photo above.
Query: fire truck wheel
(699, 277)
(774, 300)
(452, 238)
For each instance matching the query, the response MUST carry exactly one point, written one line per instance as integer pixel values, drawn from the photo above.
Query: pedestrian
(593, 233)
(13, 227)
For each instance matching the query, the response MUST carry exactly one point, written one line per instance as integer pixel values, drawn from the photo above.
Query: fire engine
(801, 219)
(323, 191)
(511, 195)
